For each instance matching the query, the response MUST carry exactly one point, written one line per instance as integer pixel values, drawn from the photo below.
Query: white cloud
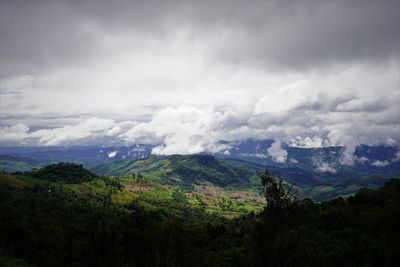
(305, 110)
(333, 111)
(391, 142)
(397, 156)
(13, 134)
(307, 142)
(182, 130)
(255, 155)
(121, 127)
(277, 153)
(112, 154)
(89, 128)
(362, 160)
(325, 167)
(380, 163)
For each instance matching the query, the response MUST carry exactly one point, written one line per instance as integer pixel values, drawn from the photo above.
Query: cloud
(380, 163)
(303, 35)
(112, 154)
(121, 128)
(312, 114)
(307, 142)
(362, 160)
(271, 34)
(277, 153)
(70, 134)
(182, 75)
(182, 130)
(226, 152)
(397, 157)
(14, 134)
(323, 167)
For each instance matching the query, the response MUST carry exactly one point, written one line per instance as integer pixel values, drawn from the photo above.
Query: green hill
(183, 169)
(186, 171)
(66, 172)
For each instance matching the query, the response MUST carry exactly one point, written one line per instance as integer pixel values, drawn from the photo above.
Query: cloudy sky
(183, 75)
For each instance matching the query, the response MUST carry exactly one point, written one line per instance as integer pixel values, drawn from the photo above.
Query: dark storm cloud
(38, 35)
(315, 33)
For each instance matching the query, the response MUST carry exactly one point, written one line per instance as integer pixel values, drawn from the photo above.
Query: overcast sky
(184, 75)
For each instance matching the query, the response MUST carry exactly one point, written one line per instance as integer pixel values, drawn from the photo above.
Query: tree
(278, 195)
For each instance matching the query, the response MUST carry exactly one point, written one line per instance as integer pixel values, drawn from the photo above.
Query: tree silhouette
(278, 195)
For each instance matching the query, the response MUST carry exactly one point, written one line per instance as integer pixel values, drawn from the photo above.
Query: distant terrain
(316, 172)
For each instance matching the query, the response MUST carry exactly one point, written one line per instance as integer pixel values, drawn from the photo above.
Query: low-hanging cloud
(380, 163)
(183, 130)
(322, 166)
(277, 153)
(15, 134)
(71, 134)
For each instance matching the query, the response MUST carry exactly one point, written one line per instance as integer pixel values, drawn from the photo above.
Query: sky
(183, 75)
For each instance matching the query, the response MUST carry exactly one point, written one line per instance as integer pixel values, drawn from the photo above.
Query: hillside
(64, 172)
(132, 222)
(13, 163)
(321, 163)
(183, 169)
(185, 172)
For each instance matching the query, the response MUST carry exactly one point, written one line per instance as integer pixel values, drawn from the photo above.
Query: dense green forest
(46, 221)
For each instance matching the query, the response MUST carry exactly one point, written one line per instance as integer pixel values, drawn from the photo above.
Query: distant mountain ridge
(323, 162)
(187, 169)
(192, 171)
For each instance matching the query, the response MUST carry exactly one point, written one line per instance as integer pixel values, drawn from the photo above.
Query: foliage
(52, 223)
(275, 192)
(185, 169)
(66, 172)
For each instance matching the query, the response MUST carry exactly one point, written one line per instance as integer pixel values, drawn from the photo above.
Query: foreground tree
(278, 195)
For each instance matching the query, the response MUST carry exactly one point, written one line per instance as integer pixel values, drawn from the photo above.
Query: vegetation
(66, 172)
(185, 171)
(235, 174)
(98, 222)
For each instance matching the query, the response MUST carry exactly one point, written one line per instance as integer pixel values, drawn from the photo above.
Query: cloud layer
(185, 75)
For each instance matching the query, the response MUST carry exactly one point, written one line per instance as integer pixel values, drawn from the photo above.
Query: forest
(45, 222)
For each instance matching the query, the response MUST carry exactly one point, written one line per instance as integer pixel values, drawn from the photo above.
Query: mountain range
(324, 162)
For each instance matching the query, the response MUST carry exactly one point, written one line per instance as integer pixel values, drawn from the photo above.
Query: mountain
(183, 169)
(235, 170)
(89, 156)
(323, 162)
(65, 172)
(290, 174)
(188, 171)
(309, 164)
